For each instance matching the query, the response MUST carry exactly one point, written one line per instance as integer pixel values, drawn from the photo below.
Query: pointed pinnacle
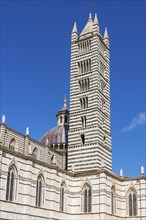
(65, 101)
(96, 19)
(74, 28)
(90, 17)
(106, 33)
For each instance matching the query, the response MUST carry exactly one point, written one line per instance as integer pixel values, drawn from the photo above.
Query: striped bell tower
(89, 145)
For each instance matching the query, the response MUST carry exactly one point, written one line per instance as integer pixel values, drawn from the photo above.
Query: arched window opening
(89, 44)
(102, 86)
(85, 83)
(102, 105)
(34, 152)
(61, 147)
(51, 146)
(87, 207)
(85, 67)
(39, 191)
(84, 46)
(104, 139)
(102, 69)
(81, 104)
(84, 103)
(79, 47)
(81, 67)
(83, 87)
(132, 203)
(11, 184)
(83, 121)
(88, 84)
(52, 158)
(56, 146)
(80, 86)
(82, 139)
(60, 119)
(89, 66)
(113, 200)
(62, 199)
(65, 118)
(12, 144)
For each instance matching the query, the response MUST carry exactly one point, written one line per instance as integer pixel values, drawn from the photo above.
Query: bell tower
(89, 144)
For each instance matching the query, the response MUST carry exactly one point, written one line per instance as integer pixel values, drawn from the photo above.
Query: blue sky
(35, 68)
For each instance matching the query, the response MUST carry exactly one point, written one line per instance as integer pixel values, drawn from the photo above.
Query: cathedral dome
(58, 135)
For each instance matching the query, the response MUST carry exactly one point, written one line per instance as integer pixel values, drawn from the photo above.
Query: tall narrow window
(60, 119)
(81, 103)
(11, 184)
(82, 139)
(83, 121)
(62, 197)
(102, 69)
(102, 86)
(80, 87)
(87, 199)
(86, 105)
(103, 105)
(65, 118)
(39, 191)
(132, 203)
(113, 200)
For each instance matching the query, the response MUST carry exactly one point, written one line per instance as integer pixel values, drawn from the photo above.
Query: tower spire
(106, 33)
(90, 16)
(106, 38)
(96, 24)
(74, 32)
(96, 19)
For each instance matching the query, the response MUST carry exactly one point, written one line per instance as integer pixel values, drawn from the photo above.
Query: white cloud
(136, 121)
